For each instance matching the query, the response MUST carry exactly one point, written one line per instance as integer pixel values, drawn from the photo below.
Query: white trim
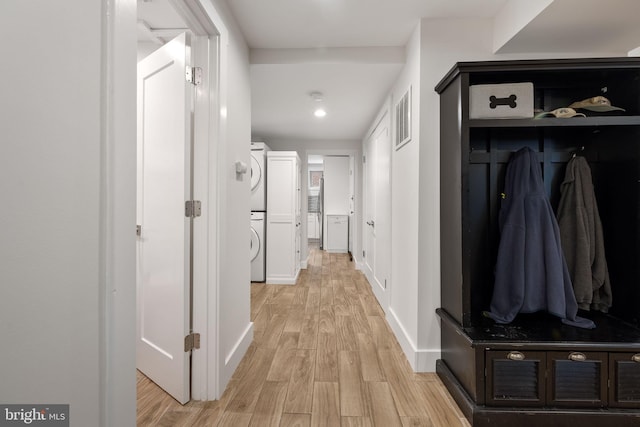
(203, 57)
(421, 360)
(352, 154)
(282, 281)
(118, 307)
(232, 360)
(118, 216)
(215, 368)
(207, 382)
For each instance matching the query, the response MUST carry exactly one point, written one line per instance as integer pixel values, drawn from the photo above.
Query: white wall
(513, 17)
(335, 148)
(336, 189)
(67, 164)
(443, 42)
(68, 272)
(235, 332)
(336, 185)
(144, 49)
(434, 47)
(405, 172)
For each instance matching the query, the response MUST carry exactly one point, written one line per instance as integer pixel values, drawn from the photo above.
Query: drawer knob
(636, 358)
(515, 355)
(577, 357)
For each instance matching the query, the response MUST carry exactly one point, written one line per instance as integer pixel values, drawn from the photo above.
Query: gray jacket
(582, 238)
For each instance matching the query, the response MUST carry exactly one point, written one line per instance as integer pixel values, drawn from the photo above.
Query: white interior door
(164, 184)
(382, 227)
(378, 212)
(369, 209)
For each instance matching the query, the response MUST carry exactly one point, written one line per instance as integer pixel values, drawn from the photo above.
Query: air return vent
(403, 119)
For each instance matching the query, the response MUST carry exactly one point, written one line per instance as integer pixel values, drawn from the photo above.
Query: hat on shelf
(564, 112)
(596, 103)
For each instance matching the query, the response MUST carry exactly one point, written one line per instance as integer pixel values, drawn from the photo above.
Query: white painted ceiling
(338, 23)
(581, 26)
(352, 51)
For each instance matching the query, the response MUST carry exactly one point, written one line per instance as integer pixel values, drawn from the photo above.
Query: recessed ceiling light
(319, 113)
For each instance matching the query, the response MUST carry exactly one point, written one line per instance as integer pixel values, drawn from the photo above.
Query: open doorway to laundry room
(330, 202)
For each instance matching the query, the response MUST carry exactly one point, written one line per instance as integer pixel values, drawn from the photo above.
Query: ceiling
(351, 51)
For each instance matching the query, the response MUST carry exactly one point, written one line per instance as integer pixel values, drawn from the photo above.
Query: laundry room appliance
(258, 176)
(337, 233)
(258, 246)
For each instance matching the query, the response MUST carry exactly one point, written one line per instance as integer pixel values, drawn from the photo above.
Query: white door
(378, 212)
(298, 209)
(369, 209)
(382, 228)
(164, 184)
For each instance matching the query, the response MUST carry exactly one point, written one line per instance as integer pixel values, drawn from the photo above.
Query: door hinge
(364, 159)
(138, 230)
(191, 342)
(192, 208)
(193, 75)
(364, 254)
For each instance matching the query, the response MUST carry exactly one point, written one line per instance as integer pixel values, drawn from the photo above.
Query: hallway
(322, 355)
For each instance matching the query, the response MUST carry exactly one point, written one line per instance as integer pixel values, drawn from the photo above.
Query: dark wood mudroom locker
(536, 370)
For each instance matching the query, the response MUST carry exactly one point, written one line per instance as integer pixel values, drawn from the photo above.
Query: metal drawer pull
(515, 355)
(577, 357)
(636, 358)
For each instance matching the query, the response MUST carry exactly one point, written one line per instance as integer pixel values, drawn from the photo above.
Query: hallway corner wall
(67, 161)
(235, 332)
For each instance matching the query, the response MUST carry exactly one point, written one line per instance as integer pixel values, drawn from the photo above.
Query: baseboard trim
(233, 358)
(280, 281)
(421, 360)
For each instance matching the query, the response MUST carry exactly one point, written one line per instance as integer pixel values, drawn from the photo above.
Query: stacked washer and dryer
(258, 210)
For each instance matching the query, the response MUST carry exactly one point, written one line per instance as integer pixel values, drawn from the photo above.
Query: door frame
(119, 169)
(383, 295)
(209, 50)
(168, 365)
(357, 206)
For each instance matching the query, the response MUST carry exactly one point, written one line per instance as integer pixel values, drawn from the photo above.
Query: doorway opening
(159, 23)
(330, 202)
(377, 211)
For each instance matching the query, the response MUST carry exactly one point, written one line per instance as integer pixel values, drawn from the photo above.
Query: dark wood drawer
(624, 375)
(515, 378)
(577, 379)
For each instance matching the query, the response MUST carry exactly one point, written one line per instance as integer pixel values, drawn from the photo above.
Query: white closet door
(164, 140)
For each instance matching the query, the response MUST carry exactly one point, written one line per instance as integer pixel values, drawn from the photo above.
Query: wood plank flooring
(322, 355)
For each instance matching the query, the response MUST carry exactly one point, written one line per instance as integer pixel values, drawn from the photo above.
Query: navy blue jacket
(531, 273)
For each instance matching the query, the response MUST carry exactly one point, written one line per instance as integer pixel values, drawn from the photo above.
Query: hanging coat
(531, 273)
(582, 238)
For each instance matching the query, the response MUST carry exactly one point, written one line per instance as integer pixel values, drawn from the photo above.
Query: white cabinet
(337, 233)
(283, 217)
(313, 225)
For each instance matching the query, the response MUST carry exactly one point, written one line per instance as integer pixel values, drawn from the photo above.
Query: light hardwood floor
(322, 355)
